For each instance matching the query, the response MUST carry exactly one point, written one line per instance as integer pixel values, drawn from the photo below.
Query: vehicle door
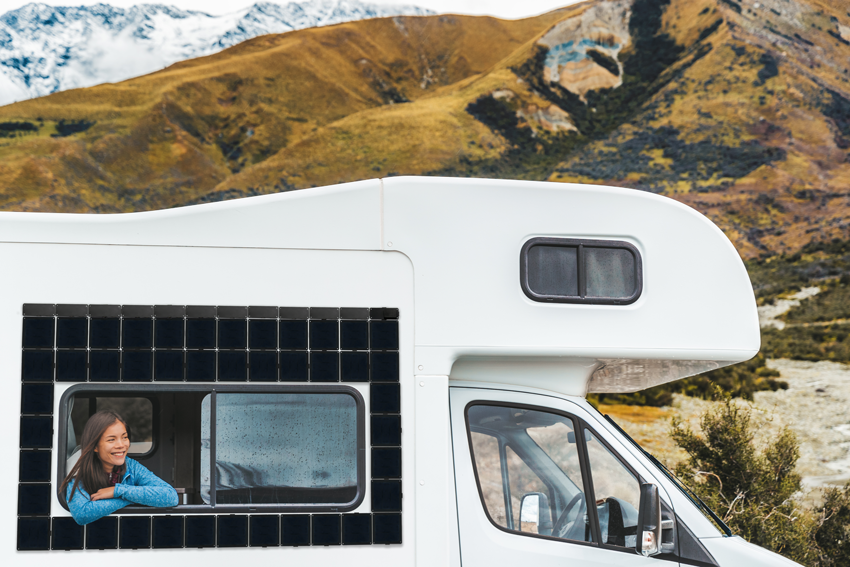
(536, 485)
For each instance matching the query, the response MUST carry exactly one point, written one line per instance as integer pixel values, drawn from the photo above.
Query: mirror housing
(648, 541)
(534, 508)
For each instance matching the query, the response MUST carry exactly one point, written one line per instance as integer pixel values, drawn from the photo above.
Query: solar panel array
(171, 343)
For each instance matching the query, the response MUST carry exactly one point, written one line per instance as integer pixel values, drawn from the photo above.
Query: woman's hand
(104, 494)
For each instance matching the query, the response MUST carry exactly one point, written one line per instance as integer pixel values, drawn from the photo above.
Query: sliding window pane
(278, 448)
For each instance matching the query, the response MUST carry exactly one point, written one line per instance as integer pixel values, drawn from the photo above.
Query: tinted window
(553, 270)
(565, 270)
(610, 272)
(281, 448)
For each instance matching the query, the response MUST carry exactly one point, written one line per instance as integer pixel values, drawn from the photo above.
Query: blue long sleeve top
(138, 486)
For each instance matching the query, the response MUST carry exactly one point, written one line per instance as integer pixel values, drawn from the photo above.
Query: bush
(821, 342)
(67, 128)
(753, 489)
(833, 532)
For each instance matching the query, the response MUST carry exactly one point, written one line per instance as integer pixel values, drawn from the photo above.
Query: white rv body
(446, 254)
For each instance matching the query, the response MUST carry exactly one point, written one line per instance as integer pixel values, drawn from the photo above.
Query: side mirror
(534, 509)
(649, 521)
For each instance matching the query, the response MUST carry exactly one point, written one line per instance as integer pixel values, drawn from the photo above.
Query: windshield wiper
(679, 484)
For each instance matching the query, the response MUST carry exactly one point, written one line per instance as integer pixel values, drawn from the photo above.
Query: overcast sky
(500, 8)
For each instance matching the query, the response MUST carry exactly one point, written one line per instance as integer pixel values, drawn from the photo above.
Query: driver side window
(528, 474)
(528, 468)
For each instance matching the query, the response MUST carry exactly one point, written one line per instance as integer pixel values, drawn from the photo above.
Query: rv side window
(270, 448)
(562, 270)
(279, 448)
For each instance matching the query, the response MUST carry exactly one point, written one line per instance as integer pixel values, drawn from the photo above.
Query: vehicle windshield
(697, 501)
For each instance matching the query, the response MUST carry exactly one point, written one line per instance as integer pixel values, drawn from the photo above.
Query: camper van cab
(388, 372)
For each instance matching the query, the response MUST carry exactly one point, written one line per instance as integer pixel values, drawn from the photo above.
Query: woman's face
(113, 445)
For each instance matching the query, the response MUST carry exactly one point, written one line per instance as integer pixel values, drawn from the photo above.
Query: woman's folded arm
(144, 487)
(86, 511)
(156, 496)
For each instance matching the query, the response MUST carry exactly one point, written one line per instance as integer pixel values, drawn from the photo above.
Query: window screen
(564, 270)
(610, 272)
(279, 448)
(553, 270)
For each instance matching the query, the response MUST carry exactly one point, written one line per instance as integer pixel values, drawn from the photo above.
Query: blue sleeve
(146, 488)
(85, 511)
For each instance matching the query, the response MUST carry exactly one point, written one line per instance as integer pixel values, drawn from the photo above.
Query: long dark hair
(88, 470)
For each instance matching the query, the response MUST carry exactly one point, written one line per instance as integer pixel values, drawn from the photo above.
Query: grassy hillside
(171, 137)
(741, 112)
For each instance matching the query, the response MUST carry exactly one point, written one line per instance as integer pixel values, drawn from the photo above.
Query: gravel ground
(816, 406)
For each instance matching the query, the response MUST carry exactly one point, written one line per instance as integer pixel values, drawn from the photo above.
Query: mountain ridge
(46, 49)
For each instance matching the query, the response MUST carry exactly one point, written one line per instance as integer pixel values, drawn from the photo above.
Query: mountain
(46, 49)
(740, 109)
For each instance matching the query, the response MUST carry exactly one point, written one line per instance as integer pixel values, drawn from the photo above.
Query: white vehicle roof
(463, 238)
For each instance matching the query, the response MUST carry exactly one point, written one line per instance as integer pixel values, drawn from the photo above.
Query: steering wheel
(564, 526)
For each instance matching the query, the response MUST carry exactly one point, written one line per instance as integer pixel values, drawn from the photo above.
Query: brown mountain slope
(740, 109)
(170, 137)
(755, 134)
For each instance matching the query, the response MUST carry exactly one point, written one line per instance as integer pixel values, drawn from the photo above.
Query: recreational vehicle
(388, 372)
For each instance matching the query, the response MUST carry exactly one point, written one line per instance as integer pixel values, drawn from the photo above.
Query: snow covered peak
(45, 49)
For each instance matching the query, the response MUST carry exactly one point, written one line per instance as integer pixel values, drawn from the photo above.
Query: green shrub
(821, 342)
(750, 489)
(830, 304)
(832, 534)
(754, 490)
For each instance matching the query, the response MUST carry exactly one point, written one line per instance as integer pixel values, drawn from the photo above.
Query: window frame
(579, 426)
(580, 244)
(139, 390)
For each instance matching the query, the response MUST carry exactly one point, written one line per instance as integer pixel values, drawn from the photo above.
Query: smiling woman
(104, 479)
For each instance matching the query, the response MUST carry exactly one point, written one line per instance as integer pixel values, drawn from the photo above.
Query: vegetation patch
(768, 70)
(732, 4)
(12, 129)
(604, 61)
(710, 29)
(700, 161)
(817, 342)
(531, 155)
(69, 127)
(817, 261)
(838, 109)
(500, 117)
(753, 488)
(830, 304)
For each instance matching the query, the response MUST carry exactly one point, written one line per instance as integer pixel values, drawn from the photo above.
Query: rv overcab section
(384, 372)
